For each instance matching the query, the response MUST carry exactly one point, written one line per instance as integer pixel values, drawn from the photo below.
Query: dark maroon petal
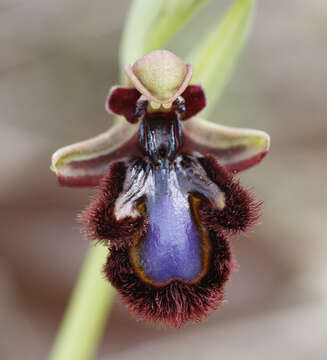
(195, 100)
(241, 210)
(99, 219)
(122, 101)
(176, 302)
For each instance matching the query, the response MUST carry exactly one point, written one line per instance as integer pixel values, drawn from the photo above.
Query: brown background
(57, 61)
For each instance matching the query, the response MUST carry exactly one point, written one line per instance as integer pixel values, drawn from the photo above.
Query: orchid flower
(167, 199)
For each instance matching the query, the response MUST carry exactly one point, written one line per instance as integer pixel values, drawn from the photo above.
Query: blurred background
(57, 62)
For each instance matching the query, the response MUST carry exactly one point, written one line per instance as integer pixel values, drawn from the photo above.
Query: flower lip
(160, 76)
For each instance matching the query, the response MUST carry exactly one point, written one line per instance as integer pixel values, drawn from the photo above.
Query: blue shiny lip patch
(175, 244)
(171, 247)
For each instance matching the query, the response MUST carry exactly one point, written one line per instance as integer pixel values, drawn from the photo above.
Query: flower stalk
(87, 312)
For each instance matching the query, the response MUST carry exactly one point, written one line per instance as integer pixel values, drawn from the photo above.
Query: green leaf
(214, 57)
(151, 24)
(173, 17)
(138, 26)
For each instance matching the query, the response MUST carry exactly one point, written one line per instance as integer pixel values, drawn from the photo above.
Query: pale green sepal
(236, 148)
(90, 150)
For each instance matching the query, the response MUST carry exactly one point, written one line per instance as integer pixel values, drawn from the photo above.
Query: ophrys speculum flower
(167, 200)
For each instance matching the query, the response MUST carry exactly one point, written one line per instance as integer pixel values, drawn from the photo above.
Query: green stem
(86, 315)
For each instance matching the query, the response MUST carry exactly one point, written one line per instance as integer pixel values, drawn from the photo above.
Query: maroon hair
(99, 219)
(176, 302)
(241, 211)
